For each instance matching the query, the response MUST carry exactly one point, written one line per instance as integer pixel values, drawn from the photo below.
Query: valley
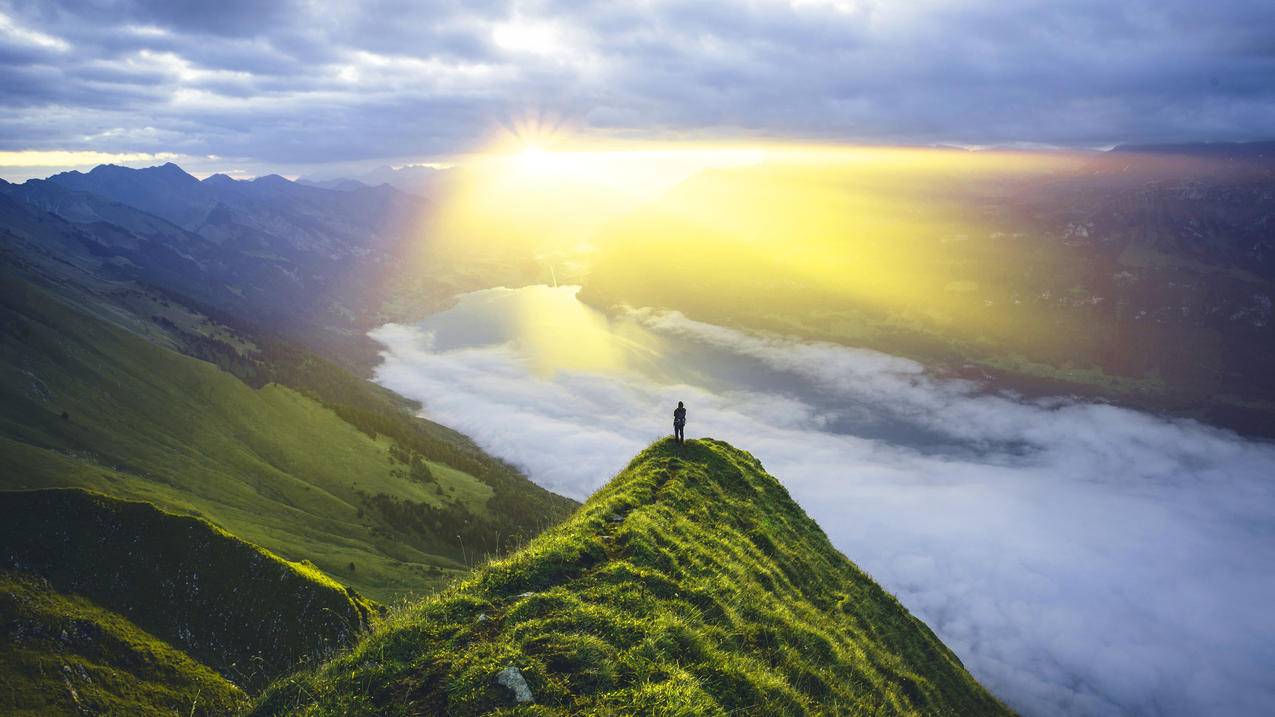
(204, 346)
(130, 367)
(990, 515)
(1125, 277)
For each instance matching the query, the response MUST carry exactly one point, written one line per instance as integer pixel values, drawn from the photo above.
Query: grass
(691, 584)
(1151, 384)
(87, 403)
(64, 655)
(1142, 254)
(233, 606)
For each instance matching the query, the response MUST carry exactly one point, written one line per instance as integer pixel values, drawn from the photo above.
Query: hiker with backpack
(679, 422)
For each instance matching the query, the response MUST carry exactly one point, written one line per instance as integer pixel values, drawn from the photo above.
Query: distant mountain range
(1142, 275)
(420, 180)
(340, 185)
(1247, 151)
(320, 265)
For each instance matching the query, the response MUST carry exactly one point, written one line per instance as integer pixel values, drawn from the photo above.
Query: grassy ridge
(691, 584)
(63, 655)
(86, 403)
(237, 608)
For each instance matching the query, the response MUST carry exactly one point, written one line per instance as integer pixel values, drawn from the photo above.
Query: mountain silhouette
(296, 259)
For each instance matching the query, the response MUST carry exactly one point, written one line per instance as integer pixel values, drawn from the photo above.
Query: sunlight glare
(534, 158)
(808, 225)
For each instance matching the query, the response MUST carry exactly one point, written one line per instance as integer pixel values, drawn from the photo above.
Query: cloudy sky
(1081, 559)
(285, 86)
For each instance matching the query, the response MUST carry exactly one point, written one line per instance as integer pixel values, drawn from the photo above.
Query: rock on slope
(691, 584)
(238, 608)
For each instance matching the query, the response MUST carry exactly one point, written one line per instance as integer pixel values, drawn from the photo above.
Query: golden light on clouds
(791, 224)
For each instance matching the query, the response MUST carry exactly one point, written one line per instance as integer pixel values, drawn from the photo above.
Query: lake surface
(1080, 558)
(553, 332)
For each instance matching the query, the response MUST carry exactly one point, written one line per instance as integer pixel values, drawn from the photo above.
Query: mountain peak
(690, 584)
(174, 172)
(218, 180)
(101, 170)
(168, 171)
(272, 180)
(340, 184)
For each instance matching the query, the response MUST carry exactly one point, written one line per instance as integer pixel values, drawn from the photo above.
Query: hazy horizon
(361, 169)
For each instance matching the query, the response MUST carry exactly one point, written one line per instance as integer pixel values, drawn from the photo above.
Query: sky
(248, 88)
(1080, 559)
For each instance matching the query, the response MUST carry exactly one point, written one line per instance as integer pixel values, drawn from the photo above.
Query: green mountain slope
(691, 584)
(63, 655)
(237, 608)
(85, 402)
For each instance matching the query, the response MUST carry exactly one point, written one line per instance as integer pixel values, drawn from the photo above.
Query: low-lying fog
(1080, 559)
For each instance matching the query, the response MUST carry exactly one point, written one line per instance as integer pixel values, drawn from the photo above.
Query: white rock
(512, 678)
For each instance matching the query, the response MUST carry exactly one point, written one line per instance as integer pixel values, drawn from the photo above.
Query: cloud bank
(287, 85)
(1081, 559)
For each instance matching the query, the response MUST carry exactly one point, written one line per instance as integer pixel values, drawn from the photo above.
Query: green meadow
(85, 403)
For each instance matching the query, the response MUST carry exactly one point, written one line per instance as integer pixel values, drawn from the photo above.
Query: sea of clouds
(1081, 559)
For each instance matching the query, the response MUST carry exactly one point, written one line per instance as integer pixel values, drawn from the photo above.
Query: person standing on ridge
(679, 422)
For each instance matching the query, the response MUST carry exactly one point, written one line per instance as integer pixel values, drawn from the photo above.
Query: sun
(533, 153)
(530, 139)
(534, 159)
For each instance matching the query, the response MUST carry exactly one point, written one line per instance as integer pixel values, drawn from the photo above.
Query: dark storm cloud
(229, 18)
(297, 83)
